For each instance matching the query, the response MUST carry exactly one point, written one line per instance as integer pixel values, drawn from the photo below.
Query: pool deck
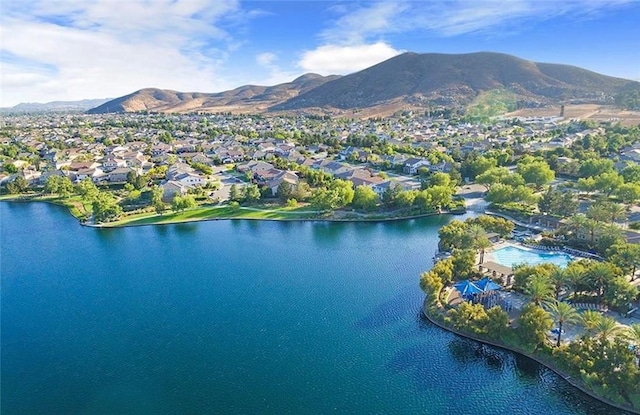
(490, 257)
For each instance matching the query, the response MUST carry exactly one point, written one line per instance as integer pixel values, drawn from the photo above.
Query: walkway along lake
(242, 317)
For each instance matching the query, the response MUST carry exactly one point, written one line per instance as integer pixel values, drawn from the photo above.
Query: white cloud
(266, 58)
(356, 25)
(359, 24)
(337, 59)
(71, 49)
(275, 74)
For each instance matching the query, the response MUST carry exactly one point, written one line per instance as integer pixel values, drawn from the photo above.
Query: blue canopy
(467, 288)
(486, 284)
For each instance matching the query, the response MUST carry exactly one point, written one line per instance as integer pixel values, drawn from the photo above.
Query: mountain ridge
(415, 80)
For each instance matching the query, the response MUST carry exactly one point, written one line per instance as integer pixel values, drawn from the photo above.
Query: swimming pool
(511, 255)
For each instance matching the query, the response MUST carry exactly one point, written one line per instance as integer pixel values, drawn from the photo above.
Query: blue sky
(76, 49)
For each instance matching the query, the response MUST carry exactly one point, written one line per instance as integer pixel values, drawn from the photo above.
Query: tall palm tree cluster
(597, 229)
(586, 281)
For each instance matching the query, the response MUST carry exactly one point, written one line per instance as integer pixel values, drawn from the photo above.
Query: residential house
(120, 174)
(283, 176)
(172, 188)
(412, 165)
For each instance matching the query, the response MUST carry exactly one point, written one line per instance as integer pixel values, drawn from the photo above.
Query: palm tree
(615, 211)
(591, 227)
(574, 276)
(539, 289)
(631, 254)
(590, 319)
(599, 275)
(598, 212)
(562, 313)
(633, 334)
(607, 328)
(576, 224)
(558, 280)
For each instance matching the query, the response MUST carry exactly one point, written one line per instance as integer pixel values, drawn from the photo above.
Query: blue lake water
(511, 255)
(237, 317)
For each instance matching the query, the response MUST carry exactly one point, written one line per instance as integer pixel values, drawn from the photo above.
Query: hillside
(450, 80)
(252, 97)
(55, 106)
(409, 80)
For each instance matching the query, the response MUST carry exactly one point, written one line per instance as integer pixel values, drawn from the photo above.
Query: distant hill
(449, 80)
(55, 106)
(248, 97)
(409, 80)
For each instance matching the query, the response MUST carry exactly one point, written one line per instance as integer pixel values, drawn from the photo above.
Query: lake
(236, 317)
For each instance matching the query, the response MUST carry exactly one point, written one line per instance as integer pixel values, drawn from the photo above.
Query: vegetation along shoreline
(574, 317)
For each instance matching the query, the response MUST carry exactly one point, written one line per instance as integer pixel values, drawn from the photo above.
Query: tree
(562, 313)
(454, 235)
(587, 185)
(631, 173)
(391, 193)
(343, 189)
(440, 196)
(633, 334)
(599, 275)
(285, 189)
(137, 180)
(625, 256)
(463, 261)
(105, 207)
(18, 185)
(539, 289)
(574, 275)
(555, 202)
(365, 198)
(440, 179)
(533, 325)
(501, 226)
(479, 238)
(497, 322)
(469, 316)
(620, 293)
(86, 188)
(477, 166)
(444, 270)
(591, 167)
(65, 186)
(629, 193)
(432, 285)
(251, 193)
(536, 172)
(421, 200)
(156, 199)
(558, 280)
(608, 182)
(323, 199)
(181, 203)
(589, 319)
(52, 185)
(234, 193)
(607, 328)
(492, 176)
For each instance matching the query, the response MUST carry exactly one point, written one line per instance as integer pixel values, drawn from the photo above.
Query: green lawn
(215, 212)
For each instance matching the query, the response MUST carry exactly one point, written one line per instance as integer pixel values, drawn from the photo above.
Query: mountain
(55, 106)
(248, 98)
(442, 79)
(410, 80)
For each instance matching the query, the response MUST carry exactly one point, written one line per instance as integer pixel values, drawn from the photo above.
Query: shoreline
(107, 225)
(568, 378)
